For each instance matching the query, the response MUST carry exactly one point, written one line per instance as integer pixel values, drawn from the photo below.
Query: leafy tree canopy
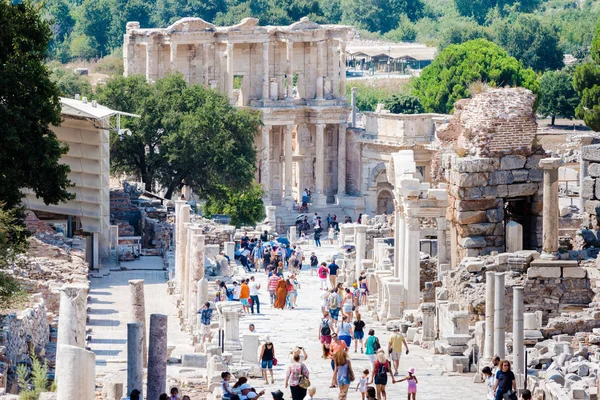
(587, 83)
(479, 9)
(447, 78)
(187, 133)
(69, 83)
(404, 104)
(557, 95)
(245, 207)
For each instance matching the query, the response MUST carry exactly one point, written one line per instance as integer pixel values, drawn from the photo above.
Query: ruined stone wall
(590, 192)
(30, 325)
(124, 214)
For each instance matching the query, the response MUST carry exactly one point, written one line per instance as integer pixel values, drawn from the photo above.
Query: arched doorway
(385, 202)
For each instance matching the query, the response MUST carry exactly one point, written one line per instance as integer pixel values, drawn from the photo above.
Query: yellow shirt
(396, 341)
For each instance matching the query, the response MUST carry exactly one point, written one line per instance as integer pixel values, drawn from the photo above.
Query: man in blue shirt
(205, 316)
(333, 268)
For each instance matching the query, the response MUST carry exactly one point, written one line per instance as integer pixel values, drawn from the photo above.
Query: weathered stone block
(533, 161)
(475, 205)
(476, 229)
(543, 272)
(574, 272)
(592, 207)
(473, 242)
(451, 363)
(500, 178)
(591, 153)
(194, 360)
(536, 175)
(501, 190)
(495, 215)
(474, 266)
(522, 189)
(471, 164)
(470, 179)
(520, 175)
(470, 217)
(594, 170)
(597, 188)
(494, 241)
(473, 193)
(512, 162)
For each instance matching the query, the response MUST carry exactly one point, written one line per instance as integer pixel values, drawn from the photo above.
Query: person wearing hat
(247, 392)
(395, 347)
(412, 384)
(277, 395)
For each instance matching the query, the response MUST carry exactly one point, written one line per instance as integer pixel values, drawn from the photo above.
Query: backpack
(376, 345)
(325, 329)
(230, 294)
(334, 303)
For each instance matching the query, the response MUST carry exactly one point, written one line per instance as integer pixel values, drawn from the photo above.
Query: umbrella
(283, 240)
(300, 216)
(347, 247)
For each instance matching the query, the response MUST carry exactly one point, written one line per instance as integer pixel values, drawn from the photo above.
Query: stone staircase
(286, 217)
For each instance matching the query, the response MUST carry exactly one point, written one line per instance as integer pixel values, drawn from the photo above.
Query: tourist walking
(257, 255)
(395, 347)
(323, 273)
(380, 372)
(372, 345)
(254, 287)
(412, 384)
(245, 295)
(297, 378)
(325, 329)
(348, 304)
(273, 280)
(267, 355)
(290, 293)
(205, 316)
(359, 334)
(489, 382)
(342, 373)
(505, 380)
(317, 237)
(237, 290)
(281, 294)
(314, 262)
(333, 301)
(331, 234)
(362, 384)
(345, 331)
(333, 270)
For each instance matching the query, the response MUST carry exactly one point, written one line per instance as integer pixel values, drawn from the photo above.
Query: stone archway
(385, 202)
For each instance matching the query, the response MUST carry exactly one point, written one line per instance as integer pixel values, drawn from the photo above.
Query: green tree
(459, 30)
(186, 133)
(82, 47)
(245, 207)
(479, 9)
(449, 75)
(405, 32)
(531, 41)
(379, 15)
(587, 83)
(404, 104)
(13, 236)
(557, 95)
(94, 18)
(29, 150)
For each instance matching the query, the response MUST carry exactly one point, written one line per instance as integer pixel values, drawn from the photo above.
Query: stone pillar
(173, 59)
(320, 61)
(583, 172)
(157, 357)
(231, 315)
(361, 244)
(342, 70)
(514, 237)
(266, 80)
(183, 241)
(229, 248)
(205, 63)
(353, 104)
(138, 310)
(288, 164)
(442, 226)
(150, 60)
(428, 310)
(72, 315)
(499, 323)
(182, 216)
(196, 273)
(135, 359)
(229, 74)
(399, 244)
(266, 167)
(290, 69)
(203, 296)
(319, 198)
(293, 234)
(490, 295)
(271, 219)
(518, 334)
(76, 373)
(550, 214)
(342, 160)
(412, 268)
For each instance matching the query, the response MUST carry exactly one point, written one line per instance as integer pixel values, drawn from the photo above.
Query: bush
(404, 104)
(371, 92)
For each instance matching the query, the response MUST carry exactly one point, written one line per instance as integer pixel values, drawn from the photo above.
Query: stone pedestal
(499, 323)
(230, 314)
(490, 295)
(518, 335)
(428, 310)
(138, 310)
(197, 273)
(361, 244)
(157, 356)
(442, 254)
(75, 374)
(393, 298)
(250, 348)
(271, 220)
(514, 237)
(293, 234)
(135, 358)
(550, 213)
(229, 250)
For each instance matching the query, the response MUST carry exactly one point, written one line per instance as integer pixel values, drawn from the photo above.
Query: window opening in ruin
(237, 81)
(519, 210)
(421, 173)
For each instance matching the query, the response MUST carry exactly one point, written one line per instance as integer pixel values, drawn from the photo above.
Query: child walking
(362, 383)
(412, 384)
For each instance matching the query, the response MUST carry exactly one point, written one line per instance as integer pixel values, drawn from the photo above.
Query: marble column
(361, 245)
(72, 315)
(76, 373)
(135, 359)
(490, 295)
(399, 244)
(518, 334)
(320, 62)
(266, 80)
(319, 198)
(197, 273)
(192, 231)
(499, 323)
(229, 72)
(138, 310)
(412, 268)
(151, 60)
(353, 104)
(442, 225)
(182, 225)
(550, 213)
(181, 217)
(514, 237)
(173, 56)
(266, 166)
(157, 357)
(342, 70)
(342, 160)
(334, 72)
(293, 234)
(288, 154)
(205, 64)
(290, 69)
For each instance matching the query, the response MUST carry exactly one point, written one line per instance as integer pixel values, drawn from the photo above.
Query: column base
(549, 256)
(319, 200)
(288, 201)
